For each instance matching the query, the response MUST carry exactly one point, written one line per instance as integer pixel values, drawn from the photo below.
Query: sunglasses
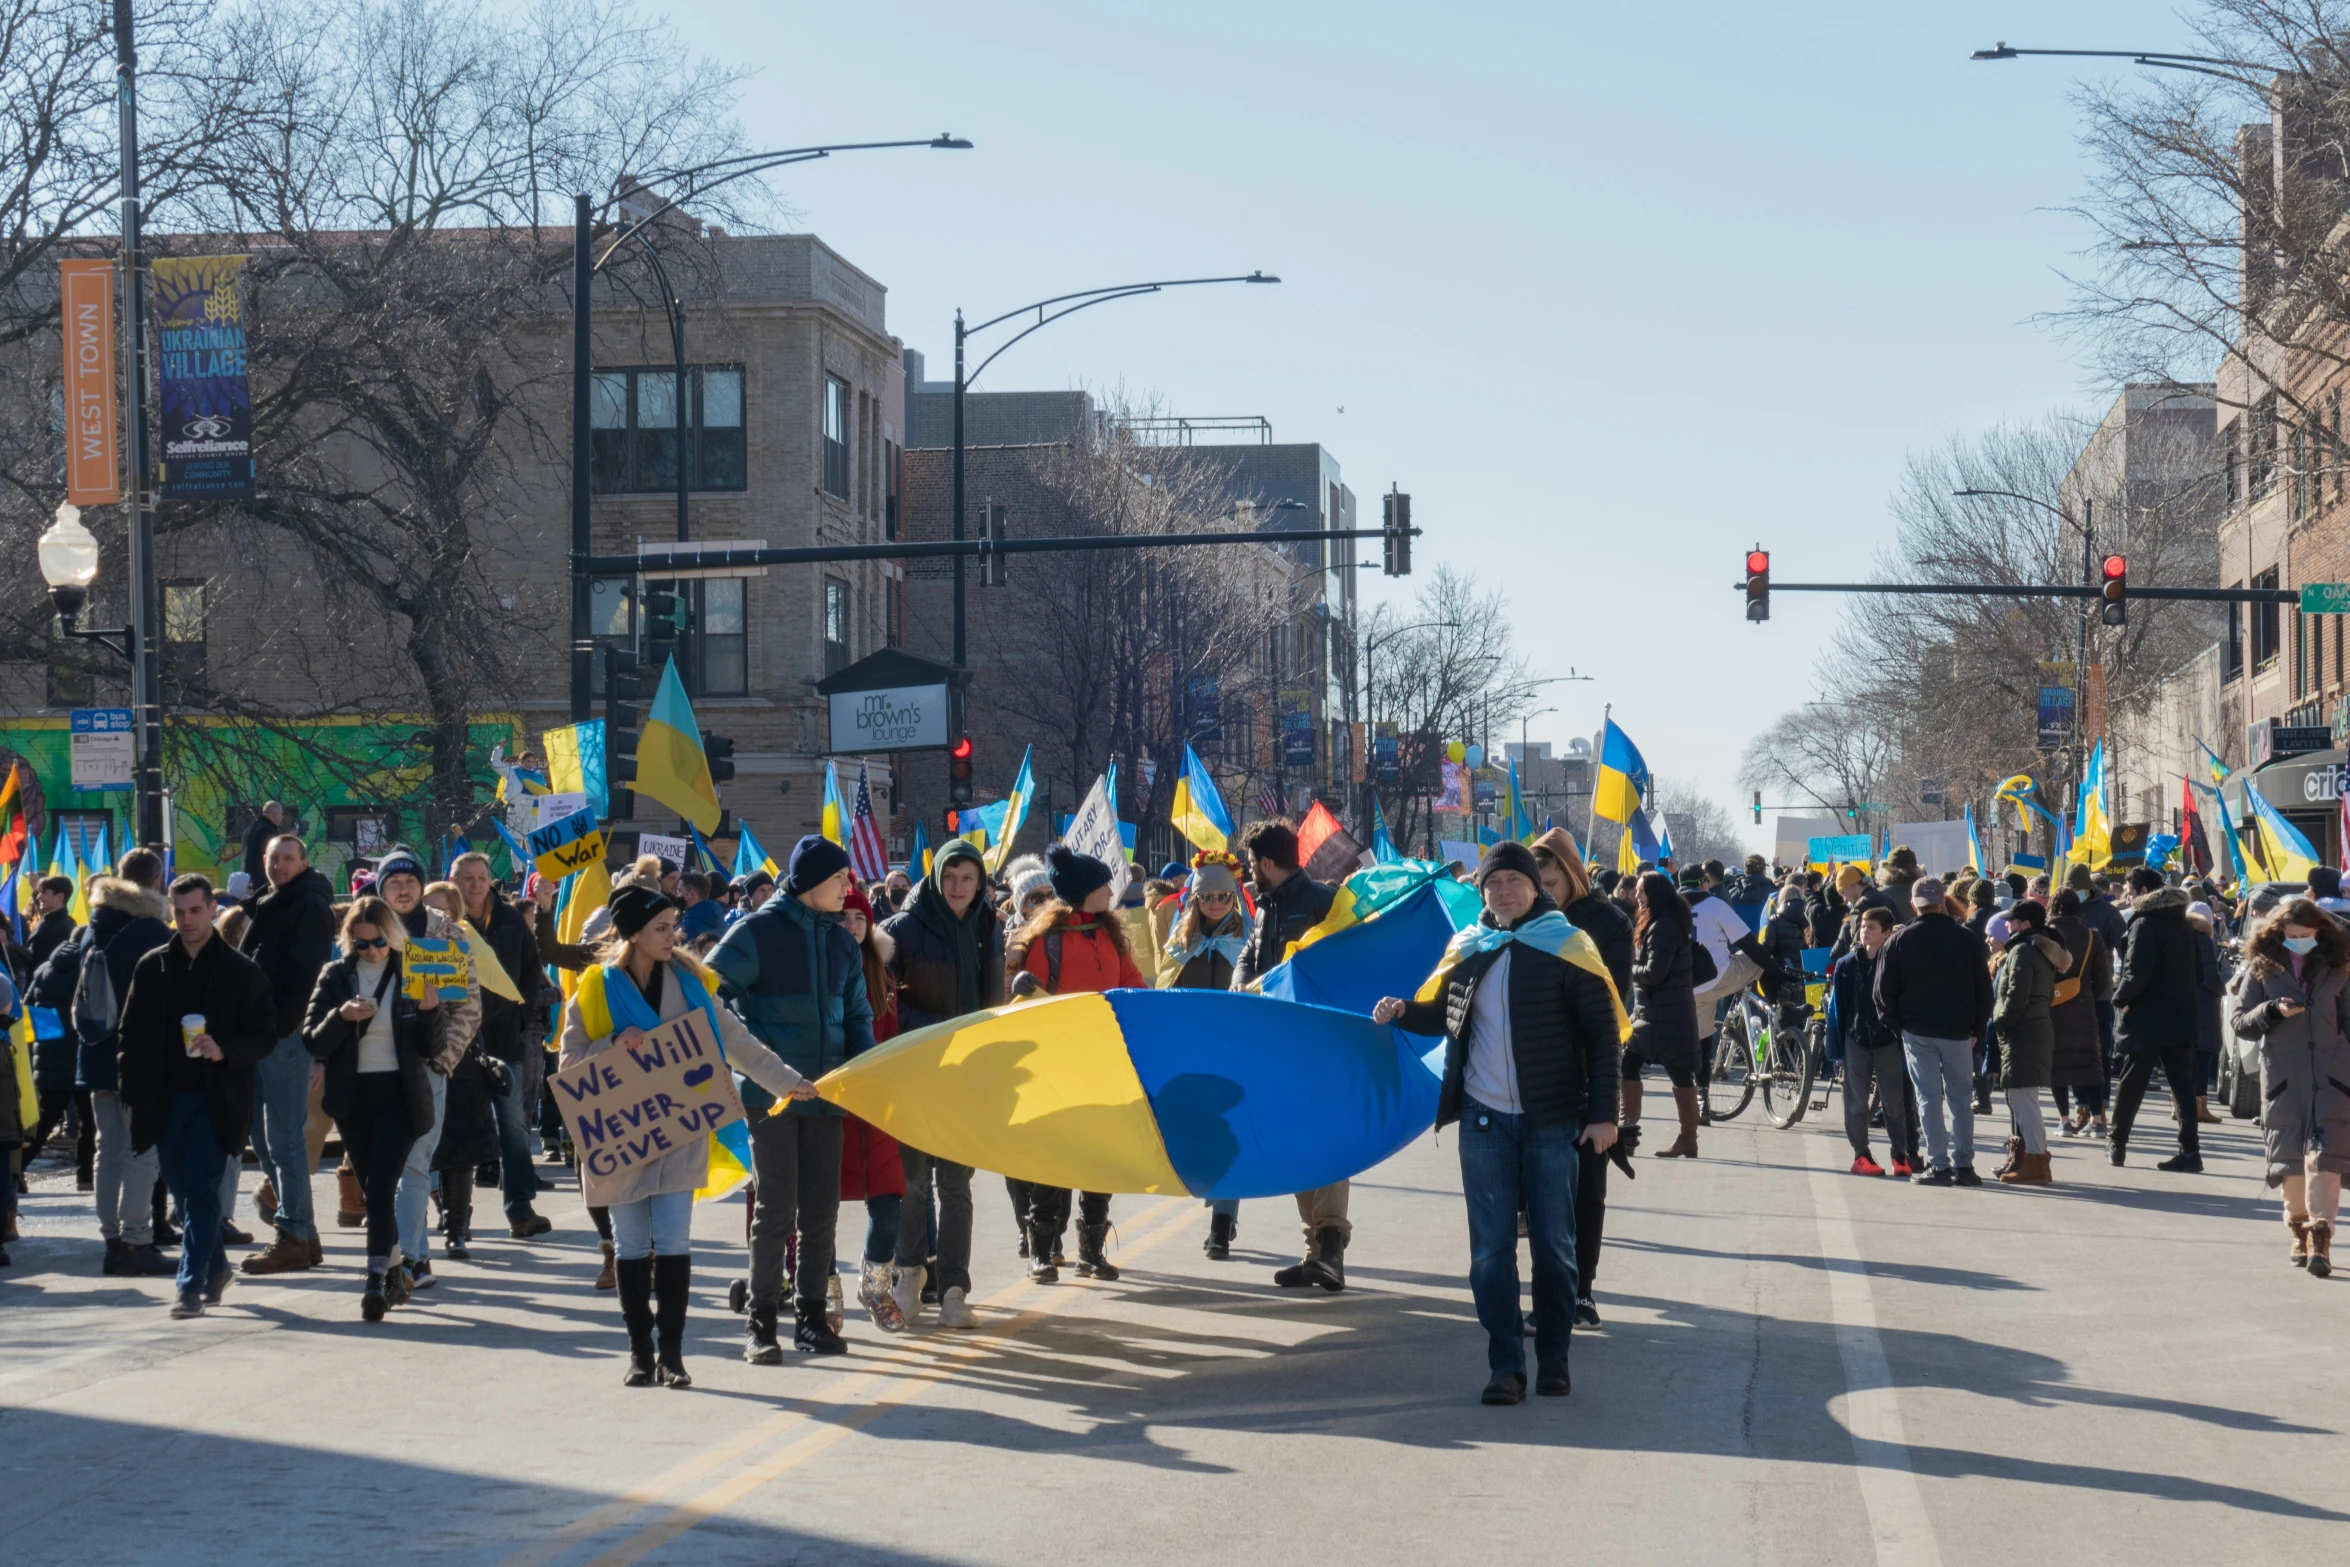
(370, 942)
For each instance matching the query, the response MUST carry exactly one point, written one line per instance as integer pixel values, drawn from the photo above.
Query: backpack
(96, 1010)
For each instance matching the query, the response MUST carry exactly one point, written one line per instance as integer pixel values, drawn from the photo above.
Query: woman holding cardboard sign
(643, 982)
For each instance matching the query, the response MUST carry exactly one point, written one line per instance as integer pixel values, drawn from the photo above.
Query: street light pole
(146, 710)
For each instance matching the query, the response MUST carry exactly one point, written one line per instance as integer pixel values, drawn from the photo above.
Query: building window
(836, 625)
(713, 644)
(2300, 655)
(2300, 467)
(891, 461)
(2231, 653)
(894, 612)
(183, 616)
(723, 632)
(632, 421)
(2267, 628)
(836, 437)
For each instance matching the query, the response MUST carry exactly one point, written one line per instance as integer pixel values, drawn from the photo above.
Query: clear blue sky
(1613, 291)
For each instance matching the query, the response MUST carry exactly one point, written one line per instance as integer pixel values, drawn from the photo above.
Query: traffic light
(623, 684)
(1758, 583)
(2117, 591)
(992, 528)
(1758, 807)
(1396, 543)
(664, 621)
(719, 750)
(959, 771)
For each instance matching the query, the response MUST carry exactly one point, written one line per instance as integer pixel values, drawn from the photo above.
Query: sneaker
(1965, 1175)
(1864, 1165)
(1901, 1167)
(954, 1309)
(420, 1275)
(529, 1225)
(396, 1285)
(454, 1249)
(1586, 1314)
(1931, 1177)
(188, 1303)
(217, 1285)
(905, 1290)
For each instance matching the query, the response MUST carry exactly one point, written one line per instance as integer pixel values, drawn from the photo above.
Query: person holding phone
(1532, 1026)
(2295, 999)
(376, 1046)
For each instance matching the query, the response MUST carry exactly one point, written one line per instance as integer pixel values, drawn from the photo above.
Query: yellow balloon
(1454, 751)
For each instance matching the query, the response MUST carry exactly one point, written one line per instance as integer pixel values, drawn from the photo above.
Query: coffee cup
(191, 1029)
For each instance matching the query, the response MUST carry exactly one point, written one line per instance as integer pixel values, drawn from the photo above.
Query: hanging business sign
(1297, 729)
(2055, 717)
(902, 718)
(207, 404)
(93, 463)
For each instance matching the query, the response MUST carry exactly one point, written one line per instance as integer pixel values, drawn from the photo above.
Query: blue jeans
(414, 1203)
(657, 1226)
(1228, 1207)
(1944, 1070)
(281, 1107)
(192, 1163)
(1506, 1162)
(518, 1179)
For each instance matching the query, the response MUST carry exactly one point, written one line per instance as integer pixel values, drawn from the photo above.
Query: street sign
(101, 748)
(2325, 598)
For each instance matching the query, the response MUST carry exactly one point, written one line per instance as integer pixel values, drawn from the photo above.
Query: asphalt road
(1798, 1366)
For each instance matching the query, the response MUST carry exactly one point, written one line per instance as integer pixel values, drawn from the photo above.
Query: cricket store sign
(902, 718)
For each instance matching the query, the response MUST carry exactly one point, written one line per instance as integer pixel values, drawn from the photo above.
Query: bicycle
(1756, 1050)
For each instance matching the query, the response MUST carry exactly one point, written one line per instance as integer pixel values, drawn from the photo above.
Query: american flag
(868, 855)
(1269, 797)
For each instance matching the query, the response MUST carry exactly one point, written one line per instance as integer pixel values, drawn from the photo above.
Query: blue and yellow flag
(834, 824)
(2286, 854)
(1623, 776)
(751, 856)
(2092, 843)
(1519, 822)
(1016, 811)
(921, 855)
(1383, 848)
(670, 764)
(2218, 768)
(575, 763)
(1199, 812)
(1974, 843)
(62, 862)
(1548, 932)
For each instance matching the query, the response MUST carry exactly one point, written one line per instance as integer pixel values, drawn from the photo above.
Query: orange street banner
(93, 466)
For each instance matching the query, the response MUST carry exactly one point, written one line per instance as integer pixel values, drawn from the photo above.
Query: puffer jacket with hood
(2021, 997)
(2156, 989)
(127, 922)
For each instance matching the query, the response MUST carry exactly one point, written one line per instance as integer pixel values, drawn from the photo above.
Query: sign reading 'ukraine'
(631, 1106)
(207, 419)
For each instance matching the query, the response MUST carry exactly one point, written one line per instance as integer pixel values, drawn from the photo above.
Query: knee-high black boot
(671, 1276)
(635, 1278)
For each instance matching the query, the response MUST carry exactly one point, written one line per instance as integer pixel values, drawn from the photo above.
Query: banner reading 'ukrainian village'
(207, 414)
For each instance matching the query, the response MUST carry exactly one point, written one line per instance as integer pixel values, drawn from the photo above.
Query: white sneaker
(906, 1291)
(954, 1311)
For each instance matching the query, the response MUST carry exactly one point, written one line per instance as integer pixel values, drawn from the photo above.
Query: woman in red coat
(1075, 943)
(870, 1169)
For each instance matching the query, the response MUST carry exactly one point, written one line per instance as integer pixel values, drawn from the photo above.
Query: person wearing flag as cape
(1532, 1026)
(642, 981)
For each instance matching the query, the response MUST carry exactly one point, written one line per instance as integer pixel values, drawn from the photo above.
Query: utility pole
(583, 639)
(146, 711)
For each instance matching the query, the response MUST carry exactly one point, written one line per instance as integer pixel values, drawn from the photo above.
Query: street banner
(627, 1108)
(438, 963)
(2055, 717)
(93, 462)
(1094, 830)
(1297, 728)
(207, 413)
(559, 848)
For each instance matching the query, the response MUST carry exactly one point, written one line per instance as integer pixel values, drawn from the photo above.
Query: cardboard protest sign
(676, 851)
(630, 1108)
(561, 847)
(436, 963)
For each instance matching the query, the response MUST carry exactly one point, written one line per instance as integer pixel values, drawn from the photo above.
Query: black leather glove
(1627, 1144)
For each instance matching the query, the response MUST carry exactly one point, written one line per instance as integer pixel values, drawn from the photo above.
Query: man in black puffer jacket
(1290, 903)
(1529, 1072)
(947, 954)
(290, 933)
(2154, 993)
(1934, 989)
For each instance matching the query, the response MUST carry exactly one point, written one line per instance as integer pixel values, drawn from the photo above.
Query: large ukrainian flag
(1199, 812)
(670, 765)
(2286, 854)
(1623, 776)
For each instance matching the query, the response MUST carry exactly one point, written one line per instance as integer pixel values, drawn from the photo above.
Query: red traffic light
(961, 749)
(1758, 562)
(2116, 568)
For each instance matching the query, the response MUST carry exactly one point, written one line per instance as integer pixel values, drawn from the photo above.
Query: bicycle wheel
(1786, 1085)
(1730, 1073)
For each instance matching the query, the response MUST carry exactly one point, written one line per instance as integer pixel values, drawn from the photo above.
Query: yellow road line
(903, 1389)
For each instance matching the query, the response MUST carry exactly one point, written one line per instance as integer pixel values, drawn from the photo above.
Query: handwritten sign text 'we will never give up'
(631, 1107)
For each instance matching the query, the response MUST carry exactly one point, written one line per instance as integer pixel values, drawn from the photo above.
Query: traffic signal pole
(719, 557)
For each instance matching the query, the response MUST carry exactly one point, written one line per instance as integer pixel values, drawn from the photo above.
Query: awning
(2300, 784)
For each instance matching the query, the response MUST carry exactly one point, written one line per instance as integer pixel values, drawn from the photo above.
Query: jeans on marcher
(414, 1205)
(518, 1178)
(191, 1167)
(125, 1187)
(1509, 1163)
(1944, 1070)
(1225, 1207)
(658, 1226)
(281, 1111)
(953, 1183)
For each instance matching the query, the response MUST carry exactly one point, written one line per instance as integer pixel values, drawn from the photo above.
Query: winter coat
(239, 1013)
(1782, 942)
(2079, 1059)
(1934, 980)
(469, 1126)
(1664, 1003)
(870, 1163)
(1089, 957)
(2211, 985)
(2304, 1062)
(2155, 989)
(687, 1169)
(798, 983)
(1562, 1033)
(290, 932)
(1852, 1005)
(333, 1040)
(923, 961)
(2021, 996)
(126, 923)
(1601, 918)
(1284, 914)
(2099, 914)
(510, 1027)
(54, 931)
(1823, 917)
(1199, 965)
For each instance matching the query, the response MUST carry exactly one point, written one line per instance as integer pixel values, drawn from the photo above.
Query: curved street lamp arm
(1042, 320)
(2053, 510)
(1115, 288)
(2200, 64)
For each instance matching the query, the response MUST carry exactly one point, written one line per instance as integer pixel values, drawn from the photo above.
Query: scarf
(1229, 945)
(1549, 933)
